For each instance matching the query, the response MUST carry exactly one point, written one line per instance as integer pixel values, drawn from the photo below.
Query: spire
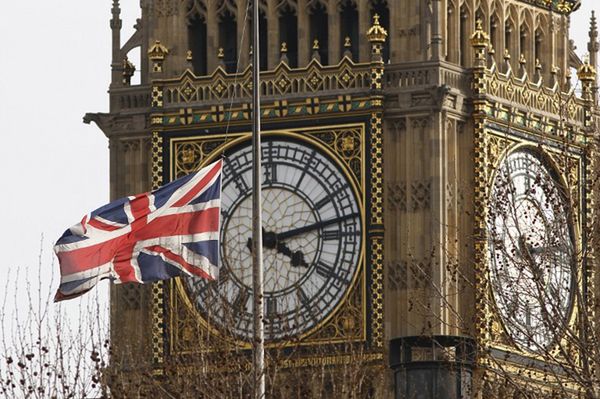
(115, 26)
(115, 22)
(593, 45)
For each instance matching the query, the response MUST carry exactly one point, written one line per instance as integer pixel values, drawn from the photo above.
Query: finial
(479, 38)
(538, 70)
(347, 47)
(221, 57)
(553, 75)
(315, 48)
(283, 53)
(251, 50)
(568, 79)
(522, 65)
(115, 22)
(158, 51)
(479, 25)
(376, 32)
(586, 72)
(506, 56)
(491, 55)
(188, 56)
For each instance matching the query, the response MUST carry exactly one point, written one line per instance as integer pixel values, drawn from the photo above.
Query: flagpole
(257, 264)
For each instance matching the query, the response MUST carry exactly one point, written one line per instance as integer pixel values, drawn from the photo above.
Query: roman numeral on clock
(324, 201)
(271, 307)
(331, 235)
(305, 300)
(325, 270)
(328, 271)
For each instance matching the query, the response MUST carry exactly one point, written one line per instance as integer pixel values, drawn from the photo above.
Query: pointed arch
(526, 38)
(287, 12)
(542, 43)
(348, 10)
(511, 33)
(497, 28)
(226, 12)
(319, 28)
(482, 13)
(452, 32)
(197, 35)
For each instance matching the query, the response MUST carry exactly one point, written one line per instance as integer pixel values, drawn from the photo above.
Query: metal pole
(257, 265)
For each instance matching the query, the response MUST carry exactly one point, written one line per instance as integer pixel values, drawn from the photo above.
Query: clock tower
(427, 183)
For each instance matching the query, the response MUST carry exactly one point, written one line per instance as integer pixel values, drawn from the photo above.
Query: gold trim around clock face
(358, 185)
(502, 145)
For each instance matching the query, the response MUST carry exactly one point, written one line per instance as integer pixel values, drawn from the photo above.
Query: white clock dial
(311, 241)
(531, 250)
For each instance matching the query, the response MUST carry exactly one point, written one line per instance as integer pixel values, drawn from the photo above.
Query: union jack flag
(168, 232)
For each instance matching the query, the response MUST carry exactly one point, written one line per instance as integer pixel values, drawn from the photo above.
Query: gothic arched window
(464, 36)
(264, 41)
(228, 37)
(508, 31)
(319, 30)
(197, 37)
(288, 33)
(349, 27)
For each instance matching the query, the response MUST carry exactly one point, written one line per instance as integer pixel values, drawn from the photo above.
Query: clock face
(311, 241)
(531, 250)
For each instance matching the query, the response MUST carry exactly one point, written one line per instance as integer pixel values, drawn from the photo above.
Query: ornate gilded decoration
(348, 322)
(376, 33)
(282, 80)
(377, 36)
(157, 97)
(162, 8)
(158, 296)
(509, 112)
(157, 54)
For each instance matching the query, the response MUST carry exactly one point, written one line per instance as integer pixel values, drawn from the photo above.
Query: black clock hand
(270, 241)
(314, 226)
(297, 257)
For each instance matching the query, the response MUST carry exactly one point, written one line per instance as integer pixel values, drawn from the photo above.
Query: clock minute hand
(314, 226)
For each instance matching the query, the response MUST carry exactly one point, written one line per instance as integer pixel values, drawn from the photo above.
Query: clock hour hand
(314, 226)
(270, 241)
(297, 257)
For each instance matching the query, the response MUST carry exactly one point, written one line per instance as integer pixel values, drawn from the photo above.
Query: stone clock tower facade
(428, 179)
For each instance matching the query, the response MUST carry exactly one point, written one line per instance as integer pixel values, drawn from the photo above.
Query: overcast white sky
(55, 67)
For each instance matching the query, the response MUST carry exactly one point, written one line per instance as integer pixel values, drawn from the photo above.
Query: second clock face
(311, 241)
(531, 250)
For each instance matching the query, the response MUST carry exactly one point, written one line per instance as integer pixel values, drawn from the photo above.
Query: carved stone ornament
(162, 8)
